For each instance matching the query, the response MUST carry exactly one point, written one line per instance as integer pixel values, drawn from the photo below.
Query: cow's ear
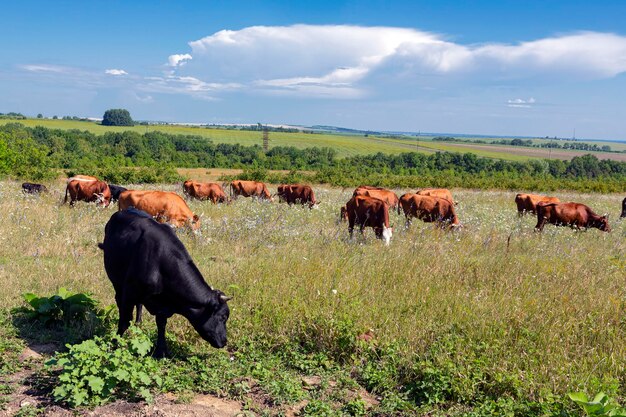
(195, 218)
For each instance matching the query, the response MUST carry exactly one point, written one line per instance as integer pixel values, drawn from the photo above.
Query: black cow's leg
(126, 315)
(139, 315)
(161, 350)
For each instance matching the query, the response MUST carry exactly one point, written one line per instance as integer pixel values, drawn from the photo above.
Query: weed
(317, 408)
(100, 369)
(29, 410)
(61, 307)
(600, 406)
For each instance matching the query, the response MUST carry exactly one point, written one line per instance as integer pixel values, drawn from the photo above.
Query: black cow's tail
(67, 189)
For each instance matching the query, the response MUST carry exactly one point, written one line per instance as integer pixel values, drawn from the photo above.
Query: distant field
(522, 152)
(345, 145)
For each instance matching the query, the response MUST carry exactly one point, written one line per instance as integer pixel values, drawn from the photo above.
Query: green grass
(492, 316)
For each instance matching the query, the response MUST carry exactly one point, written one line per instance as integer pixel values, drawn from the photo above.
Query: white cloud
(341, 58)
(178, 60)
(144, 99)
(519, 102)
(115, 72)
(174, 84)
(47, 68)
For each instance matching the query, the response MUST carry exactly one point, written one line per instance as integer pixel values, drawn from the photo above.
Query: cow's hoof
(161, 354)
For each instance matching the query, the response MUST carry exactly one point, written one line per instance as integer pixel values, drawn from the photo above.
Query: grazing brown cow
(527, 203)
(90, 191)
(387, 196)
(623, 208)
(429, 209)
(82, 178)
(165, 207)
(369, 212)
(575, 215)
(437, 192)
(296, 193)
(250, 189)
(205, 191)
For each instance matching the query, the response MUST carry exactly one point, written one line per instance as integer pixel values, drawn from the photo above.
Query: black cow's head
(210, 320)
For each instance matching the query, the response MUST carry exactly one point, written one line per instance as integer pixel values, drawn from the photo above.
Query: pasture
(492, 312)
(345, 145)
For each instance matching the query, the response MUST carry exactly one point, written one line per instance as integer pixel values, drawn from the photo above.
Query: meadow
(492, 319)
(345, 145)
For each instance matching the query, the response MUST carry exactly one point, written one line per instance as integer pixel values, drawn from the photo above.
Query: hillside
(345, 145)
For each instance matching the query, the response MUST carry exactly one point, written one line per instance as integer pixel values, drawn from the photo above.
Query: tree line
(40, 153)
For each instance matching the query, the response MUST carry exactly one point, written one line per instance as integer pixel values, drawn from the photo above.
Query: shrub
(62, 307)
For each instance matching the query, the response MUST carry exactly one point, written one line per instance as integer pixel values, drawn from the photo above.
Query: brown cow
(429, 209)
(296, 193)
(164, 206)
(527, 203)
(575, 215)
(436, 192)
(250, 189)
(205, 191)
(90, 191)
(623, 208)
(82, 178)
(369, 212)
(387, 196)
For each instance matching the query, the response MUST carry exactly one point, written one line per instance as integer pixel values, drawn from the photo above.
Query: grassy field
(345, 145)
(493, 312)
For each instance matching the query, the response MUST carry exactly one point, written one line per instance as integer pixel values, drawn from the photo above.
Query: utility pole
(266, 139)
(417, 144)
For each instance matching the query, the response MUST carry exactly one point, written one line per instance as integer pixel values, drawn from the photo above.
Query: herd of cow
(149, 266)
(368, 207)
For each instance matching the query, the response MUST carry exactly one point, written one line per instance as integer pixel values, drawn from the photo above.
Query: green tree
(40, 116)
(117, 117)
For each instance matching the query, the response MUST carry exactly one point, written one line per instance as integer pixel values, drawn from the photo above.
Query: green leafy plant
(29, 410)
(62, 307)
(317, 408)
(355, 407)
(600, 406)
(101, 369)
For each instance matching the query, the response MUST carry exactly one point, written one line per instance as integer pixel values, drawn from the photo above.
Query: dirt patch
(164, 406)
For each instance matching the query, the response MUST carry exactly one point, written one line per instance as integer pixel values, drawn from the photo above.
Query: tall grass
(543, 313)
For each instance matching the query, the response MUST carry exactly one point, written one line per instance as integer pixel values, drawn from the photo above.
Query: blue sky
(531, 68)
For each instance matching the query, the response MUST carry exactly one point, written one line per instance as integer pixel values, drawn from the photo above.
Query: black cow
(115, 191)
(623, 208)
(149, 265)
(32, 188)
